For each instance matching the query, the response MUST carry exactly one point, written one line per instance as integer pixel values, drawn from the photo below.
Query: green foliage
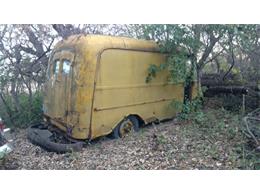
(153, 70)
(177, 66)
(183, 45)
(191, 47)
(187, 108)
(28, 113)
(221, 137)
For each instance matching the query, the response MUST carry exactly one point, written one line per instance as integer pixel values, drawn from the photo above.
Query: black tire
(41, 137)
(116, 131)
(135, 122)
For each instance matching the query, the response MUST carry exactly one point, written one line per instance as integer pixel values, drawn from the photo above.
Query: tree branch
(214, 57)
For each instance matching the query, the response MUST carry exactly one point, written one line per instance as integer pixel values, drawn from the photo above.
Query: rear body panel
(68, 97)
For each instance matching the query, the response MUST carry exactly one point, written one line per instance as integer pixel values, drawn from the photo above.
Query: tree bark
(199, 76)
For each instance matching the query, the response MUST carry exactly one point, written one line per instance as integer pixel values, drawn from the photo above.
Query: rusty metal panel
(106, 82)
(121, 89)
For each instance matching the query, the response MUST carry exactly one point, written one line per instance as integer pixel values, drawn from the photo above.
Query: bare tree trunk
(218, 65)
(15, 97)
(30, 96)
(199, 75)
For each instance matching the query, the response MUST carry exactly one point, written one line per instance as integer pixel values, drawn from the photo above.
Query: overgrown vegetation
(216, 125)
(214, 132)
(221, 135)
(29, 112)
(195, 49)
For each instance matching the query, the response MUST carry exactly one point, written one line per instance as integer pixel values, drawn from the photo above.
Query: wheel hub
(126, 127)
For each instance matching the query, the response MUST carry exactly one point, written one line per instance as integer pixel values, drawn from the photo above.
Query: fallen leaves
(170, 145)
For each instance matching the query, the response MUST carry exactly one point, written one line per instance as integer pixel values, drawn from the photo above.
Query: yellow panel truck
(96, 85)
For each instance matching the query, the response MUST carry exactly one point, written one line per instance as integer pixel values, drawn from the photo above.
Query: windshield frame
(62, 54)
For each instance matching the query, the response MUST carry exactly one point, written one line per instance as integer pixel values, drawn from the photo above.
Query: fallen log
(236, 90)
(216, 83)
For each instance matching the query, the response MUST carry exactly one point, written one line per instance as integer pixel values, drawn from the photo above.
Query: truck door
(61, 82)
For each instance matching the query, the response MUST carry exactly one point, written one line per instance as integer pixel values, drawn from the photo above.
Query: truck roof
(102, 42)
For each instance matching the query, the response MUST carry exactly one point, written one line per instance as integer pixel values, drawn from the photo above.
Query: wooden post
(243, 104)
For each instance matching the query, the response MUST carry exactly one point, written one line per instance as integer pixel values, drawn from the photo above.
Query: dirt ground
(169, 145)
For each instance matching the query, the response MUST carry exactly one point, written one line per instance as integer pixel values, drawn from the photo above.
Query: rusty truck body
(96, 85)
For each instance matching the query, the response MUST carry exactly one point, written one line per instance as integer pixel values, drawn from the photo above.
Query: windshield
(66, 66)
(60, 63)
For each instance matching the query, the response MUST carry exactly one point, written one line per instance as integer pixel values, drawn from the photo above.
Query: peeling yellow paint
(106, 83)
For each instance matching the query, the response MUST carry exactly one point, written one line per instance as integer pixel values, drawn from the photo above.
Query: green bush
(187, 108)
(27, 114)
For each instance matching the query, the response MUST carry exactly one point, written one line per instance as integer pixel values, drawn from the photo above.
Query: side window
(56, 67)
(66, 66)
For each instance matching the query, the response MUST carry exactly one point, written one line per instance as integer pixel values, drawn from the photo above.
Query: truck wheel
(129, 124)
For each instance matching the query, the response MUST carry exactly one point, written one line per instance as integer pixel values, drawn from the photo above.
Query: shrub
(28, 112)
